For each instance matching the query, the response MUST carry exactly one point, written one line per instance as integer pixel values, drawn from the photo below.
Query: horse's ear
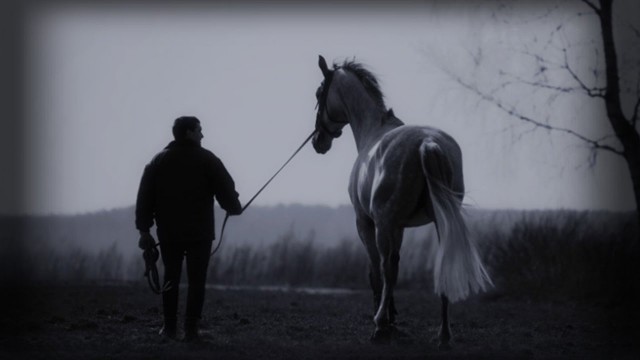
(323, 66)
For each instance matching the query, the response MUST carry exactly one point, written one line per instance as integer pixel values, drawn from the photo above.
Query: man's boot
(191, 330)
(169, 329)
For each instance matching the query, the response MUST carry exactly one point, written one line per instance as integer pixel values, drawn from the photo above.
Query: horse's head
(329, 118)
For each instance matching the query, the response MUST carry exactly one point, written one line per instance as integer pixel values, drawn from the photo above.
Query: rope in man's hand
(151, 256)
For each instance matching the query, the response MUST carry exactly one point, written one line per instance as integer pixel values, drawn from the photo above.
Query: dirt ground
(121, 322)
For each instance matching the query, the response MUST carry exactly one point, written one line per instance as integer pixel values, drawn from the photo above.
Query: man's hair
(182, 124)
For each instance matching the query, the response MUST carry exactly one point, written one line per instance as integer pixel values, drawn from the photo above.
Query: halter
(322, 107)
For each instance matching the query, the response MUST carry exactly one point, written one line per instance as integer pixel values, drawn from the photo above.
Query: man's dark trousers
(197, 252)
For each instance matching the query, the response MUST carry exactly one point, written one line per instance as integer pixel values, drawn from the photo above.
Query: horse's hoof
(444, 345)
(382, 335)
(387, 334)
(400, 337)
(397, 333)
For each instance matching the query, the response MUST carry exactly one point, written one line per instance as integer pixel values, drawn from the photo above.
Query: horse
(403, 176)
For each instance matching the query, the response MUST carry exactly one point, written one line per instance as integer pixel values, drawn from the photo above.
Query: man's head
(187, 128)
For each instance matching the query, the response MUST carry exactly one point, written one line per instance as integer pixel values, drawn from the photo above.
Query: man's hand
(146, 241)
(235, 210)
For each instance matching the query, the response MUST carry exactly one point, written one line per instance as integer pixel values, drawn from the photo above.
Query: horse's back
(403, 144)
(388, 181)
(408, 137)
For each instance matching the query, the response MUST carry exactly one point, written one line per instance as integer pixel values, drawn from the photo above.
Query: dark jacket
(177, 190)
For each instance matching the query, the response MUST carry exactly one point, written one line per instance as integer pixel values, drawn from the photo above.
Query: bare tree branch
(542, 61)
(545, 64)
(540, 84)
(625, 130)
(592, 92)
(511, 111)
(610, 136)
(634, 117)
(592, 6)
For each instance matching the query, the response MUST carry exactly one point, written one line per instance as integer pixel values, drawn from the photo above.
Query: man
(177, 190)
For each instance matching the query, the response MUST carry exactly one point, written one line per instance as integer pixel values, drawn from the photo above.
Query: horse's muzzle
(321, 143)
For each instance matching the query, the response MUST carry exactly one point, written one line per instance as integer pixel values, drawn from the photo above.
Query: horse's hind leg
(395, 262)
(376, 282)
(366, 231)
(388, 241)
(444, 335)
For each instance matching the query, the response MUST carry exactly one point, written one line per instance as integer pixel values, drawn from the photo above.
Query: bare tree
(604, 82)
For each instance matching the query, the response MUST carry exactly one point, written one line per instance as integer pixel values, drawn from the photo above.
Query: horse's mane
(372, 87)
(367, 79)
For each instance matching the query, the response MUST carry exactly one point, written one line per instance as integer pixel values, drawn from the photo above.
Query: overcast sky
(106, 83)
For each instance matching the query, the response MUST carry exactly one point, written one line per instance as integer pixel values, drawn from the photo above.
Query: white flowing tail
(458, 270)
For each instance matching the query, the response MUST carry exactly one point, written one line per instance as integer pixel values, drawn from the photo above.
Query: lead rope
(224, 223)
(150, 256)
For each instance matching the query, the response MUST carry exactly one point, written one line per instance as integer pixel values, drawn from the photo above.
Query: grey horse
(404, 176)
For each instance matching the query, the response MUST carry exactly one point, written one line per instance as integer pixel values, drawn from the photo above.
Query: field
(121, 322)
(567, 285)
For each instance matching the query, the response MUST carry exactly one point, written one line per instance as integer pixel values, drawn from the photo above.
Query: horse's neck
(371, 125)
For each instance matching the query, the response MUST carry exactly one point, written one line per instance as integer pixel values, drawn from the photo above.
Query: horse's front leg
(388, 241)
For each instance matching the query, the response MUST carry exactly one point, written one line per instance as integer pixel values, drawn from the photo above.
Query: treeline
(566, 253)
(532, 253)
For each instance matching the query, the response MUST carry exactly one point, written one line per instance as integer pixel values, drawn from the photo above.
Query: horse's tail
(458, 270)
